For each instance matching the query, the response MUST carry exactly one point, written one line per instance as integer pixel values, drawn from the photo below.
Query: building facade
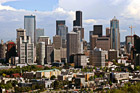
(72, 45)
(39, 32)
(115, 34)
(98, 57)
(41, 53)
(30, 27)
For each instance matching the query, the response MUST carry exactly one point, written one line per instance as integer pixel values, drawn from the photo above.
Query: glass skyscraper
(115, 34)
(30, 26)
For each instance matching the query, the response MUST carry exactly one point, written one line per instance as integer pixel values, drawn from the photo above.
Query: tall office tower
(45, 39)
(39, 32)
(78, 28)
(97, 30)
(11, 50)
(78, 21)
(26, 50)
(49, 54)
(115, 34)
(58, 23)
(41, 53)
(72, 45)
(93, 39)
(98, 57)
(30, 27)
(57, 42)
(57, 55)
(108, 32)
(20, 33)
(2, 50)
(103, 43)
(129, 42)
(62, 31)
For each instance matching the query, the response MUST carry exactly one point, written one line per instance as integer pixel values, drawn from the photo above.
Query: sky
(95, 12)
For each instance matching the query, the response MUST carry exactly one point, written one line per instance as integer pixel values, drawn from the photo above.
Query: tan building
(98, 57)
(48, 73)
(57, 55)
(103, 43)
(93, 40)
(112, 55)
(99, 42)
(57, 42)
(108, 32)
(45, 39)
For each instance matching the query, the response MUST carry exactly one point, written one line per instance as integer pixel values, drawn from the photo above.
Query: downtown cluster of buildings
(33, 47)
(103, 62)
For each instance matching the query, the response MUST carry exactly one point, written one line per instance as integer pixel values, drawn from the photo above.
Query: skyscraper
(2, 50)
(78, 21)
(57, 42)
(115, 34)
(41, 53)
(77, 24)
(97, 30)
(26, 50)
(30, 26)
(62, 30)
(72, 45)
(39, 32)
(20, 33)
(59, 22)
(108, 32)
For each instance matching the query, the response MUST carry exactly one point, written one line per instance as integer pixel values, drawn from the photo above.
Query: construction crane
(131, 27)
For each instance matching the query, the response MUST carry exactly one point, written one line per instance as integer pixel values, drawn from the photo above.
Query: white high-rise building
(25, 47)
(41, 53)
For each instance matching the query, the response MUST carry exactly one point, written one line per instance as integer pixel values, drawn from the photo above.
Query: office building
(11, 50)
(98, 57)
(72, 45)
(97, 30)
(45, 39)
(78, 28)
(41, 53)
(63, 55)
(39, 32)
(80, 60)
(57, 55)
(78, 21)
(20, 33)
(62, 31)
(2, 50)
(93, 40)
(112, 55)
(103, 43)
(30, 27)
(108, 32)
(26, 51)
(115, 34)
(59, 23)
(49, 54)
(129, 42)
(57, 42)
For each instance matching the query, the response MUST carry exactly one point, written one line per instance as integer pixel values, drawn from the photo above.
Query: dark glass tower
(59, 22)
(78, 21)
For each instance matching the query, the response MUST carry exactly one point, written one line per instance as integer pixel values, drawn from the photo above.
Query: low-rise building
(48, 73)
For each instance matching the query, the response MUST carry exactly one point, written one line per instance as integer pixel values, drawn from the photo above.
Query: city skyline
(12, 15)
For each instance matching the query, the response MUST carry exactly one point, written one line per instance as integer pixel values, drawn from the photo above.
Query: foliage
(128, 88)
(53, 77)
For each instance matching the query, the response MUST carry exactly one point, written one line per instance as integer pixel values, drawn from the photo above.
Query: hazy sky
(95, 12)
